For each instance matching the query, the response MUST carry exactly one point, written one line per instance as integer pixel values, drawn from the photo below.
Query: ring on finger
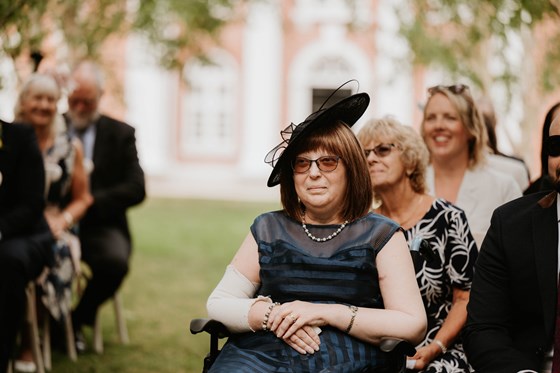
(292, 317)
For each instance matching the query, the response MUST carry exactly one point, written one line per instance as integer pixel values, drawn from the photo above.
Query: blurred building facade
(204, 132)
(207, 132)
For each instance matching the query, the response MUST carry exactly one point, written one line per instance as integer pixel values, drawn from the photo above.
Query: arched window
(318, 70)
(344, 11)
(327, 73)
(209, 107)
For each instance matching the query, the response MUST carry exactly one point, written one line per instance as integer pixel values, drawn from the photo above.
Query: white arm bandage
(231, 300)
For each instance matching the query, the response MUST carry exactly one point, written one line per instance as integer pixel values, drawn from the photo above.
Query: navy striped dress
(294, 267)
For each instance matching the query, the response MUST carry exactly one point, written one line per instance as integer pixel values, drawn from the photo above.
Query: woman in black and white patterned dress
(437, 232)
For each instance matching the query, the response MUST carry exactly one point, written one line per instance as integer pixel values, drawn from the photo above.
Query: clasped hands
(297, 323)
(56, 222)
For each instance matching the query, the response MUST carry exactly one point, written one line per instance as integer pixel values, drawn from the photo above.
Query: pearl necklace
(329, 237)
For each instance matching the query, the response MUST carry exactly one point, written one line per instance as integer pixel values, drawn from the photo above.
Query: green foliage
(550, 78)
(82, 25)
(19, 29)
(175, 27)
(462, 36)
(86, 25)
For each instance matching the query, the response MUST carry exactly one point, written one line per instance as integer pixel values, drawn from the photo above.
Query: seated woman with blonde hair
(66, 191)
(459, 171)
(438, 233)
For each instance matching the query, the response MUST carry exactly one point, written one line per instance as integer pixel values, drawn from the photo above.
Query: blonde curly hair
(414, 154)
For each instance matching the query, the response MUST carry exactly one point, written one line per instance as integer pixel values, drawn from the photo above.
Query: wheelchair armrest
(209, 326)
(398, 346)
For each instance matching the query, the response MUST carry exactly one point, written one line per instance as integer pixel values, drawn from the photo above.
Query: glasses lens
(328, 163)
(84, 101)
(553, 146)
(383, 150)
(301, 165)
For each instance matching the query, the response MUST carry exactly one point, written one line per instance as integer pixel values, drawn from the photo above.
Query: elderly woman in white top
(454, 132)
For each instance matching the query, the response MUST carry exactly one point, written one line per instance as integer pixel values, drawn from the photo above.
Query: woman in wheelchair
(317, 286)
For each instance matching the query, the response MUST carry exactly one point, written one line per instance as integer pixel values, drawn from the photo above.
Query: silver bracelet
(354, 311)
(440, 345)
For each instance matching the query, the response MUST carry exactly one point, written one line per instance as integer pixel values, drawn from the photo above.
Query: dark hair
(339, 139)
(490, 122)
(486, 109)
(546, 129)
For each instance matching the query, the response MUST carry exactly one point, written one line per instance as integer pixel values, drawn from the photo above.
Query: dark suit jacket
(117, 180)
(22, 182)
(511, 312)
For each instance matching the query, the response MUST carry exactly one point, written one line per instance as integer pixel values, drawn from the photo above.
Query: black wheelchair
(399, 349)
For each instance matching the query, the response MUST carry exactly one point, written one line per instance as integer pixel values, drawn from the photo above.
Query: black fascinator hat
(347, 110)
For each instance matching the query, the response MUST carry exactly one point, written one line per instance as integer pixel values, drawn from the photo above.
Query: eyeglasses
(84, 101)
(456, 89)
(381, 150)
(327, 163)
(553, 146)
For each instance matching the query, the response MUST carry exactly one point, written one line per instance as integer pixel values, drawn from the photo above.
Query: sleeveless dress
(294, 267)
(56, 292)
(451, 265)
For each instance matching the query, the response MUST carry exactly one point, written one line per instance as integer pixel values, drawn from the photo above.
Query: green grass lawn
(181, 248)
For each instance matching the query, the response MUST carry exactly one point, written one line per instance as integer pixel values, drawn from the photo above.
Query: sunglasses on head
(456, 89)
(381, 150)
(553, 146)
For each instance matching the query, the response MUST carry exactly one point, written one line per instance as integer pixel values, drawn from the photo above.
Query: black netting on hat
(348, 110)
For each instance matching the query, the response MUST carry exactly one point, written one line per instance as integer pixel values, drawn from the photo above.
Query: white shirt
(481, 191)
(87, 139)
(511, 167)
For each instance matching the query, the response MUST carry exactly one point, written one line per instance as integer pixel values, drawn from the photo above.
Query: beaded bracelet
(440, 345)
(354, 311)
(267, 315)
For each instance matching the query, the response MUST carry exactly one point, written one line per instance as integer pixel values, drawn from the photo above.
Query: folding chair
(32, 321)
(69, 335)
(122, 329)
